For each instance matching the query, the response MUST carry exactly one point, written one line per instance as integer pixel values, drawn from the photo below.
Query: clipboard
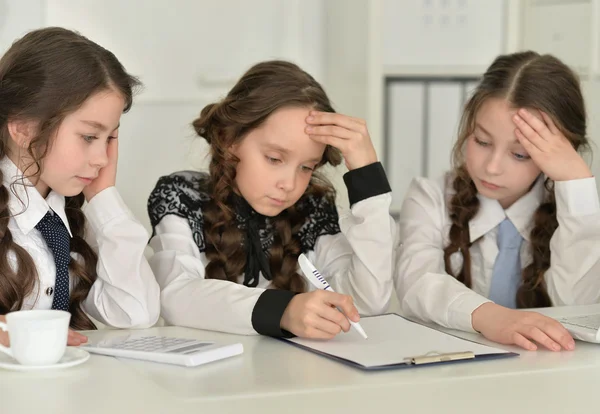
(397, 343)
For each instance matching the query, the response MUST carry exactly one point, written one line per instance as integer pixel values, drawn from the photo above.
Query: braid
(84, 274)
(261, 91)
(463, 207)
(17, 282)
(532, 293)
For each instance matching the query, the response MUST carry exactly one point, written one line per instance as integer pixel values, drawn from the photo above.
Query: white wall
(18, 17)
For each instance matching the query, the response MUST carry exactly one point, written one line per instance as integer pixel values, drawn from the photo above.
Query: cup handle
(6, 350)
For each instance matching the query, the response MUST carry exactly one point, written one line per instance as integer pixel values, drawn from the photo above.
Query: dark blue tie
(59, 241)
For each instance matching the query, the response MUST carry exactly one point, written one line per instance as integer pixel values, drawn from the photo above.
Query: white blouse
(358, 262)
(125, 294)
(427, 292)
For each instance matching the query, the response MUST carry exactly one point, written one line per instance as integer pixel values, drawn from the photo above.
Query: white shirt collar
(520, 213)
(26, 204)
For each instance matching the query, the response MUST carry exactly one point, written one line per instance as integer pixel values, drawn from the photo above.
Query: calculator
(169, 350)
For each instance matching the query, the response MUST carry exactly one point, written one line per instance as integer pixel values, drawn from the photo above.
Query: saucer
(73, 356)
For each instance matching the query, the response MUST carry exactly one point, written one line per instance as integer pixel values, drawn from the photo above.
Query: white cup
(37, 337)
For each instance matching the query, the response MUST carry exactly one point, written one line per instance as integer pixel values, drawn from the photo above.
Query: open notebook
(395, 342)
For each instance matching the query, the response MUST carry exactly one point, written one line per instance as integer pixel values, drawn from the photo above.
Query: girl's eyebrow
(100, 126)
(277, 147)
(485, 131)
(287, 151)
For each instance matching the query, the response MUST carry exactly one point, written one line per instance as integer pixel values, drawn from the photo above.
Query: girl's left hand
(349, 135)
(549, 148)
(107, 176)
(75, 338)
(522, 328)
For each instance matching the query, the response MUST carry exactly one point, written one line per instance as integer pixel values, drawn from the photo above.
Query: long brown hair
(44, 76)
(525, 80)
(263, 89)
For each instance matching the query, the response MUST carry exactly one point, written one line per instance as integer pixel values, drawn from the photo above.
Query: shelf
(434, 71)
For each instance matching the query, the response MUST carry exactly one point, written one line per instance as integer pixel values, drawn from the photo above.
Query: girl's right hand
(551, 151)
(314, 314)
(74, 338)
(349, 135)
(516, 327)
(107, 175)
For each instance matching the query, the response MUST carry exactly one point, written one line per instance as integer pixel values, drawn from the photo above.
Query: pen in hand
(314, 277)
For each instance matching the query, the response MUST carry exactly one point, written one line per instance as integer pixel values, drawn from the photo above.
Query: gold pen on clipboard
(433, 357)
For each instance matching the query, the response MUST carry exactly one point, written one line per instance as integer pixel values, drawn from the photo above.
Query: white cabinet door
(405, 137)
(422, 118)
(445, 106)
(562, 28)
(442, 32)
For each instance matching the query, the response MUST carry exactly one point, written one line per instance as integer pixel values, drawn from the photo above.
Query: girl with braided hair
(226, 242)
(61, 101)
(516, 223)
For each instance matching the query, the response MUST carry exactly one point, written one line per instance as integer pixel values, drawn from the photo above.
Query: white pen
(313, 275)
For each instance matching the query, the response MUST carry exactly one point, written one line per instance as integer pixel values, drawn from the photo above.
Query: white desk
(273, 376)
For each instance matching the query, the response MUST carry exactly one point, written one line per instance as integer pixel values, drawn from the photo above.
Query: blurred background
(406, 66)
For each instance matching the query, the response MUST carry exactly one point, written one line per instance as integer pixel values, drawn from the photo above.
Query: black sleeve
(267, 313)
(366, 182)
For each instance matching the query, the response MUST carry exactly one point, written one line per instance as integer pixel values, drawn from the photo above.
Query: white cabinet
(406, 129)
(441, 32)
(421, 127)
(562, 28)
(190, 50)
(446, 101)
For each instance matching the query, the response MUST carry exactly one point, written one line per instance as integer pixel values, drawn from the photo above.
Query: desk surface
(273, 376)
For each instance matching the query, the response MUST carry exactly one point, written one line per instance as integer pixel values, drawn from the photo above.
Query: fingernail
(517, 118)
(556, 347)
(309, 129)
(310, 118)
(522, 111)
(571, 346)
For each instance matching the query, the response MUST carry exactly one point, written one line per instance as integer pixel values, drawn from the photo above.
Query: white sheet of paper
(392, 339)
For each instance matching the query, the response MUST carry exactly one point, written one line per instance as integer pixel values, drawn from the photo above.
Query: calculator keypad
(156, 344)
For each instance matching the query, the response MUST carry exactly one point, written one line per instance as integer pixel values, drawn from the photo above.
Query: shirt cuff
(104, 207)
(366, 182)
(268, 310)
(577, 197)
(460, 311)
